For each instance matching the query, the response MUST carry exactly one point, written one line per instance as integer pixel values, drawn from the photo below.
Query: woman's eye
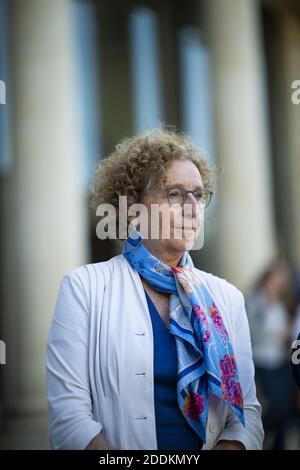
(174, 193)
(198, 195)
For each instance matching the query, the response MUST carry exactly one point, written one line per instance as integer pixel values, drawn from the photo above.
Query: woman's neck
(170, 259)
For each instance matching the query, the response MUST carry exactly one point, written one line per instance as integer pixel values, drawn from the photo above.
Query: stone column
(290, 42)
(245, 233)
(44, 206)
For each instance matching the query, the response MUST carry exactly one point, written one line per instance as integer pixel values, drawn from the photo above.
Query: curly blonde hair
(128, 169)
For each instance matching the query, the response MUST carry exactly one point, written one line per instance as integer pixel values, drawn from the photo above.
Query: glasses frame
(185, 193)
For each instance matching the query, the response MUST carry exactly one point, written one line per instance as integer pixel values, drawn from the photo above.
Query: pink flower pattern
(201, 317)
(231, 389)
(193, 405)
(218, 322)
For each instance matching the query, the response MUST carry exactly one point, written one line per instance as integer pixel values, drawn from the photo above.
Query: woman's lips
(185, 227)
(185, 232)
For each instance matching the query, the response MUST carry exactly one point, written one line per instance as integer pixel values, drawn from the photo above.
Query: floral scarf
(206, 361)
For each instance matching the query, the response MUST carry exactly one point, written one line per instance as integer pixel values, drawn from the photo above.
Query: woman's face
(177, 226)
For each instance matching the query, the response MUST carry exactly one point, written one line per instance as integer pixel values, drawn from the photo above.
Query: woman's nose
(190, 199)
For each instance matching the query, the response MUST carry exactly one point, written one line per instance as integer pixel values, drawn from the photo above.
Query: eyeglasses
(177, 196)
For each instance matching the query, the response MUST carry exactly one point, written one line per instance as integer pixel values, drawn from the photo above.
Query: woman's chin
(186, 242)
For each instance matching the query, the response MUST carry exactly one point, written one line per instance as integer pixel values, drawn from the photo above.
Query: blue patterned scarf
(206, 361)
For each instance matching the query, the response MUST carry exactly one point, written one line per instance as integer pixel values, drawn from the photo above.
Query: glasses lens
(175, 196)
(199, 196)
(202, 197)
(206, 198)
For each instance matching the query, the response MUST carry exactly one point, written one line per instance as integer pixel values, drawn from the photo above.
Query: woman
(146, 351)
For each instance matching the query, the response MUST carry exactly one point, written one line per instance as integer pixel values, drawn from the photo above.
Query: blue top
(172, 429)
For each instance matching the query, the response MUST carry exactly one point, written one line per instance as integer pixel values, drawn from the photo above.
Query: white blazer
(99, 362)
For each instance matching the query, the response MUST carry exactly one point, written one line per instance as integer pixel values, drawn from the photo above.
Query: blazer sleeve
(252, 435)
(71, 423)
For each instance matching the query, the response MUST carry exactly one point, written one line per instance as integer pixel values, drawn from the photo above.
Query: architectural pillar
(44, 206)
(245, 234)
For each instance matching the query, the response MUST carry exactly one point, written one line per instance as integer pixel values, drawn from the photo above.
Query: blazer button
(212, 427)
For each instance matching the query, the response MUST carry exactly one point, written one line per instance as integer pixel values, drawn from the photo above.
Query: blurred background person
(295, 342)
(296, 322)
(270, 326)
